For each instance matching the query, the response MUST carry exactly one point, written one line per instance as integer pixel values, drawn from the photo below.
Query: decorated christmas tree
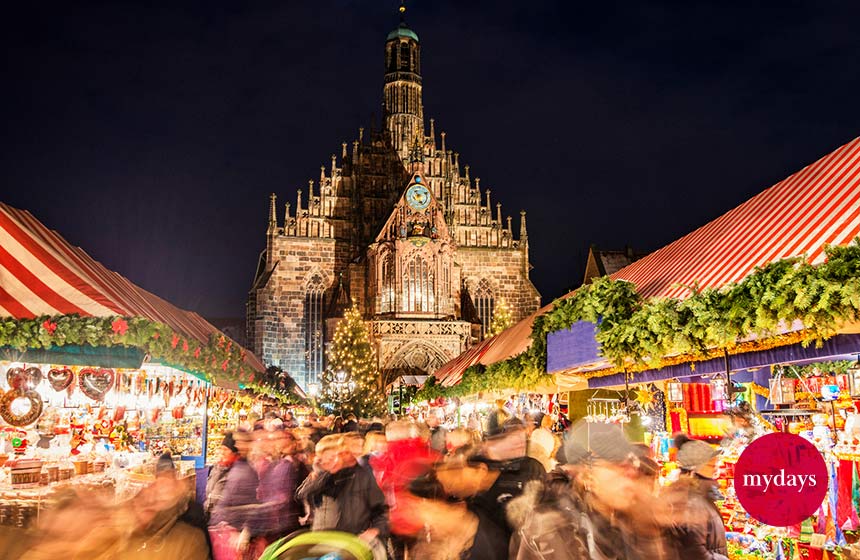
(502, 318)
(351, 380)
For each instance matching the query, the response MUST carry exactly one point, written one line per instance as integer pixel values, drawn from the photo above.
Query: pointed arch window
(387, 298)
(420, 286)
(484, 305)
(313, 323)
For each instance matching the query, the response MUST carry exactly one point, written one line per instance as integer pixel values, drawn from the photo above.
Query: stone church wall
(504, 269)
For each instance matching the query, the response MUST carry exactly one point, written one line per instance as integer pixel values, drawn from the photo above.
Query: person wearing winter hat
(598, 505)
(692, 520)
(229, 453)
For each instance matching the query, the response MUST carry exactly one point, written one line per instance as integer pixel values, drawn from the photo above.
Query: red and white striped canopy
(42, 274)
(818, 205)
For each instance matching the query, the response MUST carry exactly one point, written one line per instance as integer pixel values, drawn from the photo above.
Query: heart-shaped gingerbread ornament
(96, 383)
(60, 379)
(24, 379)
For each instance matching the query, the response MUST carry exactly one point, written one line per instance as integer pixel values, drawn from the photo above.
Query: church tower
(403, 106)
(396, 224)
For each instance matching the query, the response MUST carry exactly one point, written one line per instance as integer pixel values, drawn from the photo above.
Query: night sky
(151, 134)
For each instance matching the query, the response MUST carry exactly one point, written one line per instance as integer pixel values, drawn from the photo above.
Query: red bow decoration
(119, 326)
(185, 346)
(197, 352)
(49, 326)
(155, 335)
(224, 365)
(175, 341)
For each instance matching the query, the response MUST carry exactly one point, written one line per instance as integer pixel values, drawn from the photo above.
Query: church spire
(403, 108)
(273, 219)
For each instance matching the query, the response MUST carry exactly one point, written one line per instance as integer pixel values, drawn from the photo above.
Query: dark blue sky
(151, 135)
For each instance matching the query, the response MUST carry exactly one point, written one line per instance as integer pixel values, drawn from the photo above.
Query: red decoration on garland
(174, 341)
(155, 335)
(197, 352)
(185, 346)
(119, 326)
(49, 326)
(224, 365)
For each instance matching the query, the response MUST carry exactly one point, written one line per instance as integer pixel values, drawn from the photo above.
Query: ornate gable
(411, 262)
(418, 217)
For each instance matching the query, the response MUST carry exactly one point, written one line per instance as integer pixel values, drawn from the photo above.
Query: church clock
(418, 197)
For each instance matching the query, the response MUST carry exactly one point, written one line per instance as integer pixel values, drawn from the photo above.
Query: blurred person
(694, 523)
(498, 473)
(543, 444)
(147, 526)
(474, 423)
(407, 456)
(460, 438)
(497, 417)
(228, 453)
(344, 496)
(434, 420)
(194, 515)
(350, 424)
(336, 426)
(375, 445)
(232, 524)
(354, 443)
(451, 529)
(279, 509)
(290, 421)
(618, 503)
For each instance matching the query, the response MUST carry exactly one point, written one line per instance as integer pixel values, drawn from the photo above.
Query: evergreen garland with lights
(351, 352)
(636, 333)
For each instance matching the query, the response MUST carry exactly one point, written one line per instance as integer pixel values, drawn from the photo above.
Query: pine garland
(637, 333)
(219, 358)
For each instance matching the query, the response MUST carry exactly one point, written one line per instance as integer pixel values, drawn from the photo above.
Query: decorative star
(645, 398)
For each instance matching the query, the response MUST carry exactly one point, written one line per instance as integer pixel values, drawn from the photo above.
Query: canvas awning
(818, 205)
(43, 274)
(508, 343)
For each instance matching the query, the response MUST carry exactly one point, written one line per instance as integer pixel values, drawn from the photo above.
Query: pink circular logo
(781, 479)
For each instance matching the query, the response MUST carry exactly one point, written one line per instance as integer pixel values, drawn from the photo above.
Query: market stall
(716, 318)
(98, 376)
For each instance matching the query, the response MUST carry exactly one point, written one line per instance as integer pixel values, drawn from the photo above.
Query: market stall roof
(43, 274)
(508, 343)
(818, 205)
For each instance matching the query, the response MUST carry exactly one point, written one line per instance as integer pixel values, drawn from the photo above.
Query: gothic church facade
(398, 226)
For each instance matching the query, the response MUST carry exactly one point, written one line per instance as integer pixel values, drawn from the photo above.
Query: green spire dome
(402, 31)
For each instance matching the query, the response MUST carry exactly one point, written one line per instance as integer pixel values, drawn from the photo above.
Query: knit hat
(229, 442)
(596, 440)
(694, 454)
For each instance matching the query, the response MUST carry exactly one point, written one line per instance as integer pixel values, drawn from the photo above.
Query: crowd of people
(414, 489)
(511, 489)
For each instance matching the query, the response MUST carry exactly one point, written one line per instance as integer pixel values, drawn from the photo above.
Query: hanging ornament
(60, 379)
(96, 383)
(24, 379)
